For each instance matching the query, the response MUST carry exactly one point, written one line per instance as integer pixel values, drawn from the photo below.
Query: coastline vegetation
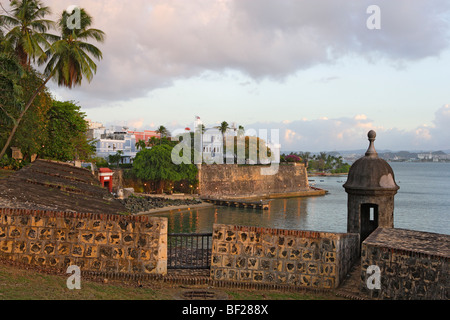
(318, 163)
(30, 118)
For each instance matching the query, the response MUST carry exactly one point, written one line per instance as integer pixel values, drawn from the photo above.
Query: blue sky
(311, 69)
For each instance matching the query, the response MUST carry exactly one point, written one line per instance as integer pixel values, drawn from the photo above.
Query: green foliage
(115, 158)
(27, 29)
(69, 57)
(262, 150)
(321, 162)
(11, 74)
(100, 162)
(156, 164)
(67, 133)
(32, 133)
(11, 164)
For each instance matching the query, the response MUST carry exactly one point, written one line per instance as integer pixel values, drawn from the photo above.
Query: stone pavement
(350, 286)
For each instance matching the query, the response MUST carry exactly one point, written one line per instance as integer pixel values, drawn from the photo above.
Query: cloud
(350, 133)
(152, 43)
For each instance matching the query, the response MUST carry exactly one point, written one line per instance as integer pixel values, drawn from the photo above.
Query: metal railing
(189, 250)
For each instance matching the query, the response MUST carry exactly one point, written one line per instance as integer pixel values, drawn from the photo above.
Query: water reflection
(421, 204)
(282, 214)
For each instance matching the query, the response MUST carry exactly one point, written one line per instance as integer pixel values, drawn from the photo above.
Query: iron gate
(189, 250)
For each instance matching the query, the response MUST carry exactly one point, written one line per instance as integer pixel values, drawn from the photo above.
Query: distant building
(425, 156)
(144, 135)
(108, 141)
(212, 144)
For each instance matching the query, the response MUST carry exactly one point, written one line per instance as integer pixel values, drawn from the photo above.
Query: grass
(21, 284)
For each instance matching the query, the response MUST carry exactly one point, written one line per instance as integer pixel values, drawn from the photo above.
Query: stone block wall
(232, 180)
(265, 256)
(412, 265)
(93, 242)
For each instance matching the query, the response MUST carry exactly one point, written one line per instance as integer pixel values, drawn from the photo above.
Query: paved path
(350, 287)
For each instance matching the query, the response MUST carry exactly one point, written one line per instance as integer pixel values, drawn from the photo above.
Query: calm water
(422, 203)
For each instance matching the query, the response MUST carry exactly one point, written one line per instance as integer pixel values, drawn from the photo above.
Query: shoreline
(319, 174)
(297, 194)
(177, 208)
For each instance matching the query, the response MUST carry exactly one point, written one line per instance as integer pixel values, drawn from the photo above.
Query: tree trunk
(27, 106)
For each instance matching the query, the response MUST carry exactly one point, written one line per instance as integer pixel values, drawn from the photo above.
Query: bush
(292, 158)
(11, 164)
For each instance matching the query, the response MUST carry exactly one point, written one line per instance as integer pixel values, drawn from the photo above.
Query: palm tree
(223, 128)
(28, 34)
(70, 55)
(152, 141)
(68, 60)
(140, 145)
(163, 132)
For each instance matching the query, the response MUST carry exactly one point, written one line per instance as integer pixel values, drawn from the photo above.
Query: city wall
(246, 181)
(265, 256)
(412, 265)
(93, 242)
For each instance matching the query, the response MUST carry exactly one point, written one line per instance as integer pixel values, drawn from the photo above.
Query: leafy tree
(250, 143)
(156, 164)
(153, 141)
(11, 74)
(115, 158)
(67, 129)
(32, 134)
(68, 60)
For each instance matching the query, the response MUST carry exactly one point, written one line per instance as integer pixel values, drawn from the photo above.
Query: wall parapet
(93, 242)
(266, 256)
(413, 265)
(233, 180)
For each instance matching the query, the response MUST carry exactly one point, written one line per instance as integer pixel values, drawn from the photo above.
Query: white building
(108, 141)
(213, 140)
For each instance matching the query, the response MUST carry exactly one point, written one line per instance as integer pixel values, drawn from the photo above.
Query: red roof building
(145, 135)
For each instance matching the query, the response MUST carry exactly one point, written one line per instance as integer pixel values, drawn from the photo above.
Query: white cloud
(351, 133)
(151, 43)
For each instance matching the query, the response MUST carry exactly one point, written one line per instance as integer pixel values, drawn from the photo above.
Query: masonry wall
(232, 180)
(93, 242)
(267, 256)
(413, 265)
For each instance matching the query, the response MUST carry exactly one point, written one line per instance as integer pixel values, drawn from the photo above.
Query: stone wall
(304, 259)
(232, 180)
(93, 242)
(412, 265)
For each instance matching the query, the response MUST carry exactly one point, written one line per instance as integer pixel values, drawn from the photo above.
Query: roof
(411, 241)
(371, 172)
(48, 185)
(104, 170)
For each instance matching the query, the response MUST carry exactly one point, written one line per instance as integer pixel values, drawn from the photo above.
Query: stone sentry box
(266, 256)
(94, 242)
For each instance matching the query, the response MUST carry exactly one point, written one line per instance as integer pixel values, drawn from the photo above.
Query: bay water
(422, 203)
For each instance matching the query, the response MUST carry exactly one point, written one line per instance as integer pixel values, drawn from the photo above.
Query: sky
(311, 69)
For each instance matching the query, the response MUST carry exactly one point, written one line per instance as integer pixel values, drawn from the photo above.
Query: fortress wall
(413, 265)
(265, 256)
(93, 242)
(232, 180)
